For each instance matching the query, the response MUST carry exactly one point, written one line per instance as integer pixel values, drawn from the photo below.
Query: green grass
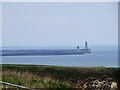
(44, 76)
(34, 82)
(30, 79)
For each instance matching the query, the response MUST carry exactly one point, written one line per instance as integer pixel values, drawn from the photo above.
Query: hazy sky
(59, 24)
(0, 24)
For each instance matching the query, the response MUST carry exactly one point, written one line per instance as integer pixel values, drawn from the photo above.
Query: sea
(100, 56)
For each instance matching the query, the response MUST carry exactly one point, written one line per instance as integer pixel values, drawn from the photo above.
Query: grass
(41, 76)
(32, 81)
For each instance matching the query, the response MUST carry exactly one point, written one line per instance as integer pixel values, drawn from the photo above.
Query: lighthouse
(85, 49)
(86, 45)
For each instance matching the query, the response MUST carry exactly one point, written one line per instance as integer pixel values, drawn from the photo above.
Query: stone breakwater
(43, 52)
(93, 83)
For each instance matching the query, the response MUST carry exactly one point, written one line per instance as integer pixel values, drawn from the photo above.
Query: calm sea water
(101, 56)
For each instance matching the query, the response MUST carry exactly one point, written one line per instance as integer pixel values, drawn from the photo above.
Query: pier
(40, 52)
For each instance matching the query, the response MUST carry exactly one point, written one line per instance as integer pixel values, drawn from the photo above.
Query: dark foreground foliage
(40, 76)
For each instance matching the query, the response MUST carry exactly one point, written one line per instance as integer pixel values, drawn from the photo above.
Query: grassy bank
(40, 76)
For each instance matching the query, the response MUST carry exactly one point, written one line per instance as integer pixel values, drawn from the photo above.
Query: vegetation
(40, 76)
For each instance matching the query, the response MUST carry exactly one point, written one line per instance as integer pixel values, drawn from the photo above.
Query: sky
(59, 24)
(0, 24)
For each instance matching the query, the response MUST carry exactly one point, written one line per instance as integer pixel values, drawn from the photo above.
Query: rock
(114, 85)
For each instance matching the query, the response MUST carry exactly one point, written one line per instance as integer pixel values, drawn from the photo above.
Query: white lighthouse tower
(86, 45)
(86, 49)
